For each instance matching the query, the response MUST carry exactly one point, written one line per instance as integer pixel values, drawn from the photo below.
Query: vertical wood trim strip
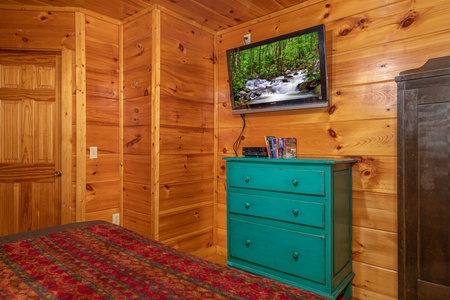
(156, 110)
(66, 135)
(57, 192)
(121, 116)
(216, 139)
(80, 57)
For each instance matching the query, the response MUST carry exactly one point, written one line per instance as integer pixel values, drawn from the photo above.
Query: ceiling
(213, 14)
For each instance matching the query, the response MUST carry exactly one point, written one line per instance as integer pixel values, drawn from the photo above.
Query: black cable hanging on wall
(237, 143)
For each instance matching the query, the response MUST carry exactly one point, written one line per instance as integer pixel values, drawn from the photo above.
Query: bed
(100, 260)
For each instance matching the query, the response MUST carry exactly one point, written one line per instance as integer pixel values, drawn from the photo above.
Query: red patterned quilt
(99, 260)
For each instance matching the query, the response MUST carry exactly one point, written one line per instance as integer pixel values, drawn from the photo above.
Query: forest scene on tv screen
(286, 71)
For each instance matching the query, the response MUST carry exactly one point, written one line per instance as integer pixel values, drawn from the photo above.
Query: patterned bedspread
(99, 260)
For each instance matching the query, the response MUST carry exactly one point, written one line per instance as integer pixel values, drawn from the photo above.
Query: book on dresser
(281, 147)
(290, 220)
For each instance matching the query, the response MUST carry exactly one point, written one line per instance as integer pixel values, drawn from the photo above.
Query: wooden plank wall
(96, 42)
(168, 131)
(103, 180)
(137, 117)
(46, 29)
(183, 172)
(186, 183)
(368, 45)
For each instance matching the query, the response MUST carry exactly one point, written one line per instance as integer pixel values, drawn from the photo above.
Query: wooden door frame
(66, 136)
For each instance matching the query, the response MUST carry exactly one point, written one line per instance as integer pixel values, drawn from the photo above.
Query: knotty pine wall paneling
(367, 46)
(89, 48)
(168, 130)
(37, 29)
(137, 118)
(103, 181)
(186, 136)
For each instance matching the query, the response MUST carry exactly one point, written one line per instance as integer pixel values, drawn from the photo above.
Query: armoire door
(29, 141)
(424, 181)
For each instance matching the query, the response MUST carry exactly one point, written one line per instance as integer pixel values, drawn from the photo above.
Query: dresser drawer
(285, 210)
(309, 181)
(295, 253)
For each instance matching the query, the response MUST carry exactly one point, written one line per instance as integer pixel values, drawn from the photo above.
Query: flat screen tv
(282, 73)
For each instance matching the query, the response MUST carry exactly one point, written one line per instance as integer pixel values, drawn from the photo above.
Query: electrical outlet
(116, 219)
(247, 39)
(93, 152)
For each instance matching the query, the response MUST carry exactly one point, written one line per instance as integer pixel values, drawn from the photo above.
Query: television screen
(282, 73)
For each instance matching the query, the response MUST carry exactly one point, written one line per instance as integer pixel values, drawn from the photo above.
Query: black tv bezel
(285, 104)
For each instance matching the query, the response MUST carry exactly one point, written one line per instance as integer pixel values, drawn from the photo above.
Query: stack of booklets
(281, 147)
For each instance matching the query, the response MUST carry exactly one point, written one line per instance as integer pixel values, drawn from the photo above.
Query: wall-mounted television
(282, 73)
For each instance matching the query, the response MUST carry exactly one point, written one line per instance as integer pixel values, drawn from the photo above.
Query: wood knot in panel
(345, 31)
(44, 16)
(408, 19)
(327, 13)
(332, 133)
(367, 169)
(137, 139)
(331, 109)
(355, 23)
(141, 49)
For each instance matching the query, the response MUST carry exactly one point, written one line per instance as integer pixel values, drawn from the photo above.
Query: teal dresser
(290, 220)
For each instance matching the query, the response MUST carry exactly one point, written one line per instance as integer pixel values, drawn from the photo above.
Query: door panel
(9, 207)
(29, 141)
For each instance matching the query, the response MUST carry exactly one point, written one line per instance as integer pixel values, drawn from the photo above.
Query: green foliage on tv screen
(273, 60)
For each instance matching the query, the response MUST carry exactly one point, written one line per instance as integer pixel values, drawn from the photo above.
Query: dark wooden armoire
(424, 181)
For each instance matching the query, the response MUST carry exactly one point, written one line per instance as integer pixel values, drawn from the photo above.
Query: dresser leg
(348, 291)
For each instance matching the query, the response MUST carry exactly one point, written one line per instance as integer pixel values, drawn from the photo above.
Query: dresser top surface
(321, 161)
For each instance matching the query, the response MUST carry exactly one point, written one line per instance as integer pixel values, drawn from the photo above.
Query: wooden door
(29, 141)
